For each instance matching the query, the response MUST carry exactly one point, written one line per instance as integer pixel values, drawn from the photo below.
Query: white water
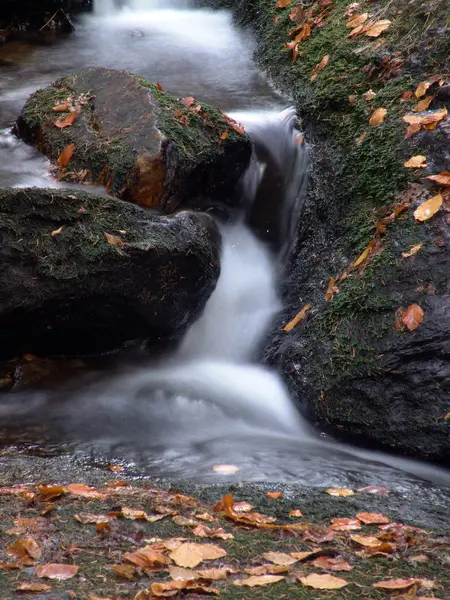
(209, 402)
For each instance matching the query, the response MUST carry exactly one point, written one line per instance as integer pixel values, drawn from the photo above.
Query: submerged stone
(81, 273)
(144, 145)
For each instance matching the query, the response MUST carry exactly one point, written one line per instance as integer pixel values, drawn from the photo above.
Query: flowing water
(208, 403)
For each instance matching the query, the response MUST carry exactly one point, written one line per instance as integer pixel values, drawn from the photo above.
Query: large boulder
(81, 273)
(144, 145)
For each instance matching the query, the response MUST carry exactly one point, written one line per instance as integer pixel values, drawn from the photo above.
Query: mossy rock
(64, 289)
(346, 365)
(145, 146)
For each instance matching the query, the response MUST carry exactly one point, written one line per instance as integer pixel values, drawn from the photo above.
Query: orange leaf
(62, 107)
(295, 513)
(364, 256)
(188, 102)
(33, 587)
(274, 495)
(428, 208)
(57, 571)
(339, 492)
(224, 135)
(442, 179)
(279, 558)
(113, 239)
(372, 518)
(190, 555)
(378, 117)
(365, 540)
(323, 63)
(422, 88)
(395, 584)
(412, 317)
(282, 3)
(159, 86)
(79, 489)
(205, 531)
(416, 162)
(369, 95)
(297, 14)
(377, 28)
(146, 557)
(423, 104)
(323, 582)
(24, 547)
(66, 155)
(86, 518)
(330, 290)
(267, 570)
(170, 588)
(357, 20)
(56, 232)
(258, 581)
(67, 121)
(413, 250)
(297, 319)
(294, 52)
(345, 524)
(406, 96)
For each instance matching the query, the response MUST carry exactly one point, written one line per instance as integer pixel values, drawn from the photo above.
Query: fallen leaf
(372, 518)
(190, 554)
(214, 574)
(297, 319)
(66, 155)
(412, 317)
(79, 489)
(146, 557)
(428, 208)
(159, 87)
(180, 573)
(226, 469)
(274, 495)
(377, 28)
(242, 507)
(57, 571)
(54, 234)
(307, 554)
(32, 587)
(422, 88)
(342, 492)
(374, 489)
(332, 564)
(413, 250)
(24, 547)
(185, 521)
(224, 135)
(89, 518)
(415, 162)
(318, 534)
(364, 256)
(188, 102)
(378, 117)
(365, 540)
(394, 584)
(257, 581)
(321, 65)
(297, 14)
(267, 570)
(280, 558)
(323, 582)
(369, 95)
(423, 104)
(345, 524)
(352, 99)
(428, 118)
(357, 20)
(61, 107)
(170, 588)
(412, 130)
(124, 571)
(208, 532)
(295, 513)
(114, 240)
(282, 3)
(67, 121)
(442, 179)
(330, 290)
(406, 96)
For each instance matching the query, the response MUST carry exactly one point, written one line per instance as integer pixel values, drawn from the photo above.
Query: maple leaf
(297, 319)
(428, 208)
(412, 317)
(321, 65)
(378, 117)
(323, 582)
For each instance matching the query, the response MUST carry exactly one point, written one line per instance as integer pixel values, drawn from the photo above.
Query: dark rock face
(144, 145)
(73, 292)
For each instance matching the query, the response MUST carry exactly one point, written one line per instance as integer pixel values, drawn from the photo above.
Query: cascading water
(208, 402)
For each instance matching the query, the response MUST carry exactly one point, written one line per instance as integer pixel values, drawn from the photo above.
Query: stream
(208, 403)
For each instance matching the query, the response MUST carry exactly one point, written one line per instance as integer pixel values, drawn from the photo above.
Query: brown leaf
(369, 95)
(24, 547)
(345, 524)
(364, 256)
(297, 319)
(171, 588)
(357, 20)
(372, 518)
(297, 14)
(159, 87)
(56, 232)
(57, 571)
(79, 489)
(318, 534)
(180, 573)
(394, 584)
(257, 581)
(428, 208)
(330, 290)
(339, 492)
(242, 507)
(331, 564)
(67, 121)
(422, 88)
(406, 96)
(412, 317)
(224, 135)
(321, 65)
(423, 104)
(62, 107)
(282, 3)
(114, 240)
(124, 571)
(323, 582)
(280, 558)
(86, 518)
(190, 554)
(415, 162)
(66, 155)
(365, 540)
(412, 130)
(146, 557)
(32, 587)
(208, 532)
(188, 102)
(377, 28)
(378, 117)
(237, 127)
(274, 495)
(431, 117)
(307, 554)
(442, 179)
(213, 574)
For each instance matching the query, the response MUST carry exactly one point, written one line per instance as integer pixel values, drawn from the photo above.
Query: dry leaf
(54, 234)
(406, 96)
(374, 489)
(188, 102)
(297, 14)
(62, 107)
(442, 179)
(190, 554)
(377, 28)
(280, 558)
(365, 540)
(242, 507)
(321, 65)
(332, 564)
(423, 104)
(57, 571)
(428, 208)
(204, 531)
(308, 554)
(422, 88)
(226, 469)
(413, 250)
(372, 518)
(181, 573)
(170, 588)
(66, 155)
(295, 513)
(24, 547)
(378, 117)
(274, 495)
(415, 162)
(339, 492)
(146, 557)
(159, 87)
(395, 584)
(412, 130)
(364, 256)
(185, 521)
(257, 581)
(323, 582)
(357, 20)
(79, 489)
(267, 570)
(33, 587)
(369, 95)
(330, 290)
(114, 240)
(429, 118)
(345, 524)
(318, 534)
(297, 319)
(124, 571)
(224, 135)
(282, 3)
(412, 317)
(214, 574)
(67, 121)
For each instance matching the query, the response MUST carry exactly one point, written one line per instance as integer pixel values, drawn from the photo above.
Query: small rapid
(209, 401)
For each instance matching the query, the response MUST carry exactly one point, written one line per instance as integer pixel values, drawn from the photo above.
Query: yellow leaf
(339, 492)
(323, 582)
(113, 239)
(256, 581)
(297, 319)
(225, 469)
(428, 208)
(321, 65)
(422, 88)
(447, 417)
(377, 28)
(279, 558)
(412, 317)
(57, 231)
(416, 162)
(423, 104)
(413, 250)
(364, 256)
(357, 20)
(378, 117)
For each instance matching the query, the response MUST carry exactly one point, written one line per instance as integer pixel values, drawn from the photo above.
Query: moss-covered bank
(347, 365)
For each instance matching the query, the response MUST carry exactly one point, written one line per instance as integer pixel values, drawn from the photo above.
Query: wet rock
(64, 289)
(144, 145)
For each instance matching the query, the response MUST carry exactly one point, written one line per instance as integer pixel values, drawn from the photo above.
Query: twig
(50, 20)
